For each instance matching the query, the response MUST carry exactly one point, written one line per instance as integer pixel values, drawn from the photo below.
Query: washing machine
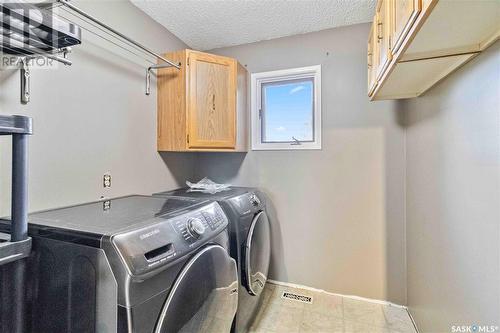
(136, 264)
(250, 244)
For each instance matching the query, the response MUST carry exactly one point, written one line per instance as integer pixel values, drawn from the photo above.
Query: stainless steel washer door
(257, 254)
(204, 297)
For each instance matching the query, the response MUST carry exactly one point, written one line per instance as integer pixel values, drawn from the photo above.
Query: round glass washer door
(257, 254)
(204, 297)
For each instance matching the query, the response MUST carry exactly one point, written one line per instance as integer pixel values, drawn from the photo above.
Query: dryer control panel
(248, 203)
(161, 242)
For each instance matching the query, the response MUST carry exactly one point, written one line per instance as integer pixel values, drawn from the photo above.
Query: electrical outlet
(106, 180)
(106, 205)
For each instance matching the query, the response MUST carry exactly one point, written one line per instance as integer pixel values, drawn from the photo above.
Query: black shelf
(12, 251)
(16, 246)
(15, 125)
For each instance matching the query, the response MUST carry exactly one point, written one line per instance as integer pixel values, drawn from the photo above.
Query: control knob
(254, 200)
(195, 227)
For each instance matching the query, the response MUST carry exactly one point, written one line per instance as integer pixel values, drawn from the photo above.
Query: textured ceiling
(209, 24)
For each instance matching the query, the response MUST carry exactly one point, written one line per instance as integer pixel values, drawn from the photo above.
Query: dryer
(134, 264)
(250, 244)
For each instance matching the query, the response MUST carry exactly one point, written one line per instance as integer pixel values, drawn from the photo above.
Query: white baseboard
(359, 298)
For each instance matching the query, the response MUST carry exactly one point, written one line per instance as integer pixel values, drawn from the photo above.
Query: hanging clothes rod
(62, 60)
(95, 20)
(101, 36)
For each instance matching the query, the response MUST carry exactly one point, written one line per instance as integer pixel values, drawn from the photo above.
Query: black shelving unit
(16, 245)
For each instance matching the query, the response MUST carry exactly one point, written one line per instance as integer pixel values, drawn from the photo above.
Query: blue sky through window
(287, 111)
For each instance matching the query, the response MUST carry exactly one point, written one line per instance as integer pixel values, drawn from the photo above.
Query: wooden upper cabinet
(211, 101)
(405, 13)
(427, 40)
(202, 107)
(384, 26)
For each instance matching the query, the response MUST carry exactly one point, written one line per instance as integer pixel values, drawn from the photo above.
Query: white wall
(340, 217)
(93, 117)
(339, 212)
(453, 199)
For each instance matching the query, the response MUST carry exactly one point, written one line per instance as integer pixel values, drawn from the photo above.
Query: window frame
(258, 79)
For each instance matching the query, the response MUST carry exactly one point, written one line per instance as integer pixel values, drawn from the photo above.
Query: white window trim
(287, 74)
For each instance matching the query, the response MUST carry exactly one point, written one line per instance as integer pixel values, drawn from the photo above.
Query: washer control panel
(205, 221)
(167, 239)
(215, 220)
(195, 227)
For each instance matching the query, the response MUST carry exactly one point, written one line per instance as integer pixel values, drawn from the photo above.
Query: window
(286, 109)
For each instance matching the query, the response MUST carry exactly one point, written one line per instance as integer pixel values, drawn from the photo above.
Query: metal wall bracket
(148, 74)
(25, 81)
(26, 73)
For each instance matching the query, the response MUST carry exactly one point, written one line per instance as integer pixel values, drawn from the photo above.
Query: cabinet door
(383, 36)
(211, 101)
(405, 13)
(371, 59)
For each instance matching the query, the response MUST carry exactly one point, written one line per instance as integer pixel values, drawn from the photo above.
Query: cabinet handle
(213, 102)
(379, 30)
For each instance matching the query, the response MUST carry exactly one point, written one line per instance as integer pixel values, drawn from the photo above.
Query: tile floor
(327, 314)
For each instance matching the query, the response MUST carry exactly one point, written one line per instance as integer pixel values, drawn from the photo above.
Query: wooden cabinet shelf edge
(431, 38)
